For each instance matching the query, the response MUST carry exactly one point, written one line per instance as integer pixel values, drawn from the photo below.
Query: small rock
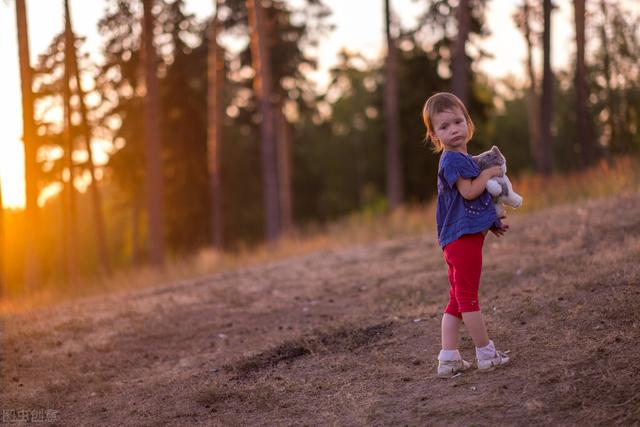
(473, 388)
(417, 320)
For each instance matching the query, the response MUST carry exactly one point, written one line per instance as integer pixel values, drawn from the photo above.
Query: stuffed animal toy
(499, 187)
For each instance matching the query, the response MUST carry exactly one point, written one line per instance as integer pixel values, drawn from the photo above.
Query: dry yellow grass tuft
(620, 175)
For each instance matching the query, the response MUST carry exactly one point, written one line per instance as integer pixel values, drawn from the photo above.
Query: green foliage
(338, 148)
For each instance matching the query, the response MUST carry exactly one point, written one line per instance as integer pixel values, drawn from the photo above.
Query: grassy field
(349, 334)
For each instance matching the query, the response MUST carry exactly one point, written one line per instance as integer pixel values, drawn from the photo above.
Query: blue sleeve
(456, 166)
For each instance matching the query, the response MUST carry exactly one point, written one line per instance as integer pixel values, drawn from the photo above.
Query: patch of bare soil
(350, 337)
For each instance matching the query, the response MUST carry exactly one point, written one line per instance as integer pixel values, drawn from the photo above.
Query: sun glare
(12, 175)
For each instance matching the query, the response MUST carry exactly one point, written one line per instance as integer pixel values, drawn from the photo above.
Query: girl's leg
(450, 331)
(452, 318)
(475, 325)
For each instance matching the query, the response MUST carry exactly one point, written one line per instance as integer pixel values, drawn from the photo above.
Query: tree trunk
(394, 156)
(2, 286)
(284, 169)
(137, 245)
(103, 258)
(460, 61)
(546, 104)
(585, 138)
(263, 89)
(69, 209)
(533, 101)
(611, 92)
(153, 158)
(32, 261)
(215, 74)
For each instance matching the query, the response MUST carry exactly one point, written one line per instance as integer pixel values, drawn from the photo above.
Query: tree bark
(2, 285)
(460, 61)
(394, 156)
(546, 104)
(103, 257)
(585, 137)
(284, 171)
(611, 92)
(70, 212)
(215, 75)
(152, 154)
(263, 89)
(533, 101)
(32, 261)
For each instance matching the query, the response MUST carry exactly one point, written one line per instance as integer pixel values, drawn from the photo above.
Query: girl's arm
(473, 188)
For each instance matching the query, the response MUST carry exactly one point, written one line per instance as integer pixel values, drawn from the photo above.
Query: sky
(364, 34)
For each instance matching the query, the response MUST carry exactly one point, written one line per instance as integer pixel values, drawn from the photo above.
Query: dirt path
(350, 337)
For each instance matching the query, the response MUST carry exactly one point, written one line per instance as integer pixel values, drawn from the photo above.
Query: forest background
(217, 139)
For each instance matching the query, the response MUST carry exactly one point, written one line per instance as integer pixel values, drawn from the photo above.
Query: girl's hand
(493, 171)
(499, 231)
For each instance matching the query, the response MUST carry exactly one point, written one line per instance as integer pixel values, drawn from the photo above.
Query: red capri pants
(464, 258)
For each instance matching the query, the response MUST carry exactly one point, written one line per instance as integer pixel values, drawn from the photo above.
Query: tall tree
(460, 61)
(524, 20)
(438, 34)
(153, 160)
(70, 51)
(215, 71)
(394, 157)
(32, 264)
(2, 286)
(263, 87)
(585, 139)
(291, 34)
(69, 205)
(546, 102)
(285, 190)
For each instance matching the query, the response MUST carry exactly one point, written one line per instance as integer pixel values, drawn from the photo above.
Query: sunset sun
(12, 175)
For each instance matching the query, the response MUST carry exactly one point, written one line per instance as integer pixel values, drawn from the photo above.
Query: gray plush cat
(500, 186)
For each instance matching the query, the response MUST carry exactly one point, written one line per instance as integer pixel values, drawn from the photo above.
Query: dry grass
(620, 175)
(351, 336)
(605, 179)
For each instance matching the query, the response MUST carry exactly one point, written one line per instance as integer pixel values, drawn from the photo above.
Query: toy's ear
(495, 149)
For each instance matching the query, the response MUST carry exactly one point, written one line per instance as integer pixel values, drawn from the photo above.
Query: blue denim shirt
(456, 216)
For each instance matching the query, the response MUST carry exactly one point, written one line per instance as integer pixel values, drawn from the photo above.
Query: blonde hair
(443, 101)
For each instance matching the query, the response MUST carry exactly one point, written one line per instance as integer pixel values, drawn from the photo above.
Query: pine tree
(582, 103)
(546, 100)
(394, 157)
(263, 87)
(460, 62)
(152, 147)
(70, 51)
(29, 135)
(215, 71)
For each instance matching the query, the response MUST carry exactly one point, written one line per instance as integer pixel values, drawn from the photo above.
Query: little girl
(464, 214)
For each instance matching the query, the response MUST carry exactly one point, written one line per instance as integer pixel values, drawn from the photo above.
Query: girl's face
(450, 127)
